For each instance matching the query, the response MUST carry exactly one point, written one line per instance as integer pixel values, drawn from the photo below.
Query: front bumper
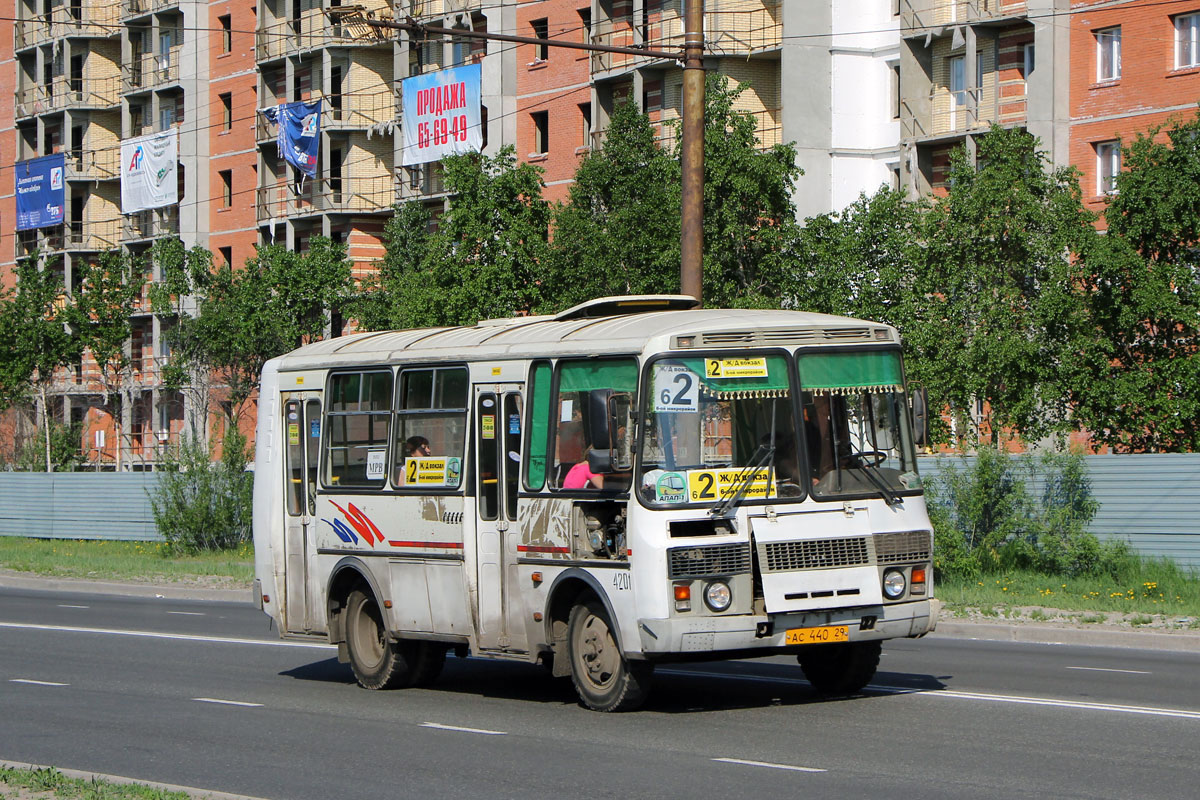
(741, 631)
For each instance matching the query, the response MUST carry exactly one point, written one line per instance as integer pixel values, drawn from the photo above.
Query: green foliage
(65, 452)
(619, 231)
(986, 520)
(202, 505)
(109, 290)
(33, 324)
(379, 304)
(488, 253)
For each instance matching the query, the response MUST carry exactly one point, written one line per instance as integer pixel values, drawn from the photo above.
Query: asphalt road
(203, 694)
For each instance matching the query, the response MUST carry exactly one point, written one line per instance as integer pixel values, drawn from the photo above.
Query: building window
(585, 111)
(541, 30)
(226, 188)
(585, 22)
(226, 34)
(226, 111)
(1029, 61)
(1108, 166)
(541, 132)
(1187, 41)
(1108, 54)
(895, 91)
(226, 255)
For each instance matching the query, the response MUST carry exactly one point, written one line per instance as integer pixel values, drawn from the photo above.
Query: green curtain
(618, 374)
(776, 379)
(843, 373)
(539, 426)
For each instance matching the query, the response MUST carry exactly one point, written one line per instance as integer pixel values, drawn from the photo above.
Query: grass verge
(140, 562)
(46, 783)
(1149, 590)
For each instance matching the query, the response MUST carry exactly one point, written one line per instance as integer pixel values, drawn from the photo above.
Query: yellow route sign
(735, 367)
(705, 485)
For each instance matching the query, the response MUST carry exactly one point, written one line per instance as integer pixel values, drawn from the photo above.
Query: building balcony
(311, 32)
(351, 111)
(138, 8)
(730, 29)
(919, 16)
(92, 236)
(947, 115)
(150, 224)
(92, 21)
(94, 165)
(151, 71)
(421, 182)
(63, 93)
(768, 130)
(348, 195)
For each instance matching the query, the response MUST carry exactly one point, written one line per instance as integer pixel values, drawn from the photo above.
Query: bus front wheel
(378, 662)
(840, 669)
(604, 679)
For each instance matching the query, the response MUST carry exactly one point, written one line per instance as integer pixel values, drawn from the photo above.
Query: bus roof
(575, 333)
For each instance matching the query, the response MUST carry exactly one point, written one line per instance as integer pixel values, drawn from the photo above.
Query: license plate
(822, 635)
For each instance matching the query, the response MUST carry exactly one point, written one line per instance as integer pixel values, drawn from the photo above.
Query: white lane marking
(64, 605)
(188, 613)
(1106, 669)
(957, 695)
(36, 683)
(157, 635)
(226, 702)
(769, 765)
(441, 727)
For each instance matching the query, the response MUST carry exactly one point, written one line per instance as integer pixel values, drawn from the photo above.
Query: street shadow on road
(677, 688)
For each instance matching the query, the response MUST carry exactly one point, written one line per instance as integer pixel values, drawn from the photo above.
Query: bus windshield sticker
(514, 424)
(735, 368)
(676, 389)
(314, 429)
(376, 464)
(293, 433)
(489, 426)
(711, 485)
(567, 412)
(671, 487)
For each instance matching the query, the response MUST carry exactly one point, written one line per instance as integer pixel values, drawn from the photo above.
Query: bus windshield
(857, 433)
(719, 429)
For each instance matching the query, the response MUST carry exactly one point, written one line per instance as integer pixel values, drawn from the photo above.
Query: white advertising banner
(148, 171)
(441, 114)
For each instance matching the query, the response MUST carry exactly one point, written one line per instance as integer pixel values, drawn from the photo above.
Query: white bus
(630, 482)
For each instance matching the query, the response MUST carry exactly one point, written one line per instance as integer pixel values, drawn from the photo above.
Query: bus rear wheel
(840, 669)
(604, 679)
(378, 662)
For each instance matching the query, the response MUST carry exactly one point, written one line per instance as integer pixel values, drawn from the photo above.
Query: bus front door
(302, 439)
(497, 432)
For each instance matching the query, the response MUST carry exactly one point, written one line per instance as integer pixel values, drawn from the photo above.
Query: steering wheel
(877, 456)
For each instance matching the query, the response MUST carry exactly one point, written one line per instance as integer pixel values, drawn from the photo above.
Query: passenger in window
(581, 476)
(418, 447)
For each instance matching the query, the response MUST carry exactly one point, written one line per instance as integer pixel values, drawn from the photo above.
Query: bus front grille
(713, 559)
(903, 548)
(815, 554)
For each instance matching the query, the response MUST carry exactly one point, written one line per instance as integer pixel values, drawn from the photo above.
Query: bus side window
(431, 428)
(358, 419)
(585, 438)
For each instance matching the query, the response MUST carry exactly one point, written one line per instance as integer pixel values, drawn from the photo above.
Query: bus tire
(377, 662)
(604, 679)
(840, 669)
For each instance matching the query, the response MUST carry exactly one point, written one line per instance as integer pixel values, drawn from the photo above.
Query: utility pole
(691, 244)
(691, 241)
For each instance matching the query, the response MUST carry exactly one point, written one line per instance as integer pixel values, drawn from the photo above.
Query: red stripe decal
(529, 548)
(447, 545)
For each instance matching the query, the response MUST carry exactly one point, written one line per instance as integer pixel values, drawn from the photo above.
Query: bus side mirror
(600, 462)
(918, 400)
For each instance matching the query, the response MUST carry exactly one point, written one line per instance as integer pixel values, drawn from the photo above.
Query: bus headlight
(893, 584)
(718, 596)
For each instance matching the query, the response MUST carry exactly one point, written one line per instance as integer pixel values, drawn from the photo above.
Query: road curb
(1051, 634)
(168, 591)
(190, 791)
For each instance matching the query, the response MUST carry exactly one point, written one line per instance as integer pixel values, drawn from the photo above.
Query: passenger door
(497, 433)
(302, 443)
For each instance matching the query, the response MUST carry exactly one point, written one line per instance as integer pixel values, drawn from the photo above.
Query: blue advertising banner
(442, 115)
(299, 137)
(40, 194)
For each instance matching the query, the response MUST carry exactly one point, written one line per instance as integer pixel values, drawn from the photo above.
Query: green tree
(998, 316)
(487, 257)
(37, 338)
(109, 291)
(379, 303)
(750, 227)
(619, 231)
(1140, 388)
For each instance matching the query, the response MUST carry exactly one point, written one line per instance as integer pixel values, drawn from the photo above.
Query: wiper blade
(868, 471)
(741, 484)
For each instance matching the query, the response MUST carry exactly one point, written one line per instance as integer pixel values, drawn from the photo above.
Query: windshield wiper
(763, 456)
(868, 471)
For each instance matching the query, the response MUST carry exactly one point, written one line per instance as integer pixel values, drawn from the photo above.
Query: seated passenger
(581, 476)
(418, 447)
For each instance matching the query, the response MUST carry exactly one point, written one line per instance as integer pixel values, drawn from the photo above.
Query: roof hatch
(628, 304)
